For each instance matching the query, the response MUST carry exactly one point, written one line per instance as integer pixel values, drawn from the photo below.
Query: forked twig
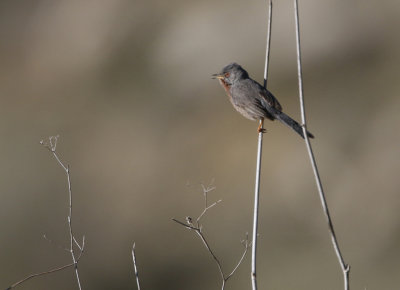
(198, 229)
(345, 267)
(44, 273)
(51, 145)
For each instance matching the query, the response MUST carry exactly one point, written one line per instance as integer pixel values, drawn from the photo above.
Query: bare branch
(190, 227)
(247, 245)
(268, 45)
(43, 273)
(206, 209)
(258, 166)
(198, 230)
(200, 234)
(51, 145)
(134, 265)
(345, 267)
(208, 188)
(81, 247)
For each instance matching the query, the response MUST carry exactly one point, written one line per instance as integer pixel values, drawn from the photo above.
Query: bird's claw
(261, 130)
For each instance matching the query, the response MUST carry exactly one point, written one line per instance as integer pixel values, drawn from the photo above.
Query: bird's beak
(217, 76)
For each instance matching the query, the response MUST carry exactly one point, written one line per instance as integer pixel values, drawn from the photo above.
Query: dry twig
(198, 229)
(51, 145)
(135, 266)
(345, 267)
(258, 168)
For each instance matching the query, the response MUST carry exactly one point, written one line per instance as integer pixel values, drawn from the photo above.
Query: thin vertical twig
(268, 45)
(255, 218)
(51, 145)
(258, 166)
(135, 266)
(345, 267)
(71, 233)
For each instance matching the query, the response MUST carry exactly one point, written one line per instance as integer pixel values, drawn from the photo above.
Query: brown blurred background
(127, 86)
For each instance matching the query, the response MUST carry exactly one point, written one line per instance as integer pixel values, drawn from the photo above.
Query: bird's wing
(247, 101)
(267, 97)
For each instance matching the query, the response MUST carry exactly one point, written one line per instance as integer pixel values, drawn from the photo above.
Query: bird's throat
(226, 86)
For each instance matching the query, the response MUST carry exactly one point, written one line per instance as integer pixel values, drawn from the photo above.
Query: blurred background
(127, 86)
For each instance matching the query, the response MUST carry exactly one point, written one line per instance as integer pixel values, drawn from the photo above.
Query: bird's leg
(260, 128)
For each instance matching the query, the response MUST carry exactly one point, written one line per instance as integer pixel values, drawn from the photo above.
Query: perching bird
(252, 100)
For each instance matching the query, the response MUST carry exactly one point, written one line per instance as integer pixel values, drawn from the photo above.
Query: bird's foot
(261, 130)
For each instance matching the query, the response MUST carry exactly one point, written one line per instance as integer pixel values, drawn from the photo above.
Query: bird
(252, 100)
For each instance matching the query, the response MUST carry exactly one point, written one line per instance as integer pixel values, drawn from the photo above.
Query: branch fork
(197, 227)
(51, 145)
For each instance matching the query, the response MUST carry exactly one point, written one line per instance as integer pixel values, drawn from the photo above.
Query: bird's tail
(285, 119)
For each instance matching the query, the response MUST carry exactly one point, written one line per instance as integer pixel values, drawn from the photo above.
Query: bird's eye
(227, 75)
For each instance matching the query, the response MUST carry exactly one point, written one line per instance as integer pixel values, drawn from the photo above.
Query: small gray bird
(252, 100)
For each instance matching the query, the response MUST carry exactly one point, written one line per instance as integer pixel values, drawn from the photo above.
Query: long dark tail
(285, 119)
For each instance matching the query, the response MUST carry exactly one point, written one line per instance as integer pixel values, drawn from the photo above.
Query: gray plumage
(251, 99)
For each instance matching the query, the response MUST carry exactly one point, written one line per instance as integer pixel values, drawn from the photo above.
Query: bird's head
(231, 73)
